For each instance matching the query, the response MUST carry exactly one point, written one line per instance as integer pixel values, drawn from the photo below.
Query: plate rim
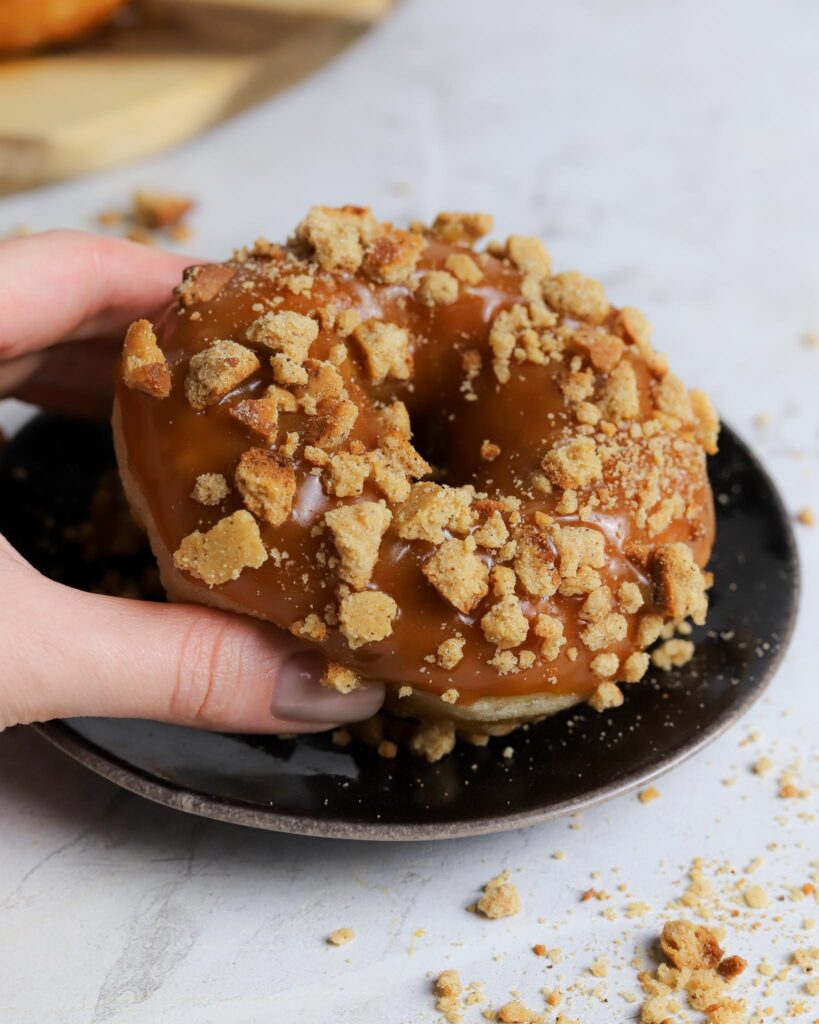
(239, 812)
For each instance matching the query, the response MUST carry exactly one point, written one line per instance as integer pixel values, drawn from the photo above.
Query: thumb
(68, 653)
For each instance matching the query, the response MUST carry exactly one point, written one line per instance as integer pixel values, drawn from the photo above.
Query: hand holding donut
(65, 300)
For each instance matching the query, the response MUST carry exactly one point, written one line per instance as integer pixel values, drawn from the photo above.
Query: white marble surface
(670, 149)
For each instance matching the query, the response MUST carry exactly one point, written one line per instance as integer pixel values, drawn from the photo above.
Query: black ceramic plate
(48, 473)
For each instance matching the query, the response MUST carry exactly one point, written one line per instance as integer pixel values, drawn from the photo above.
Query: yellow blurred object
(25, 24)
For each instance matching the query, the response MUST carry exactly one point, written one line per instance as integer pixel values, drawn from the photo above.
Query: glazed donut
(452, 471)
(28, 23)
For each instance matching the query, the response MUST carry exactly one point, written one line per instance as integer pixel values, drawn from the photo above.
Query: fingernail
(299, 696)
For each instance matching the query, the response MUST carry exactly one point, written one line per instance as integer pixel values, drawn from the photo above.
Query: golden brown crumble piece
(159, 209)
(447, 990)
(731, 967)
(707, 421)
(493, 534)
(433, 740)
(574, 465)
(514, 1012)
(393, 256)
(210, 489)
(366, 618)
(597, 604)
(289, 333)
(550, 629)
(399, 453)
(505, 625)
(261, 415)
(489, 451)
(504, 580)
(461, 227)
(311, 627)
(216, 370)
(534, 563)
(806, 517)
(450, 652)
(577, 296)
(578, 546)
(450, 696)
(630, 597)
(345, 474)
(267, 484)
(604, 666)
(611, 629)
(323, 382)
(337, 677)
(605, 350)
(221, 553)
(336, 236)
(672, 398)
(690, 945)
(634, 667)
(203, 283)
(437, 288)
(395, 416)
(144, 367)
(287, 371)
(464, 267)
(607, 695)
(529, 255)
(679, 583)
(341, 936)
(386, 349)
(500, 899)
(620, 398)
(357, 531)
(458, 574)
(432, 508)
(672, 654)
(387, 749)
(348, 320)
(333, 422)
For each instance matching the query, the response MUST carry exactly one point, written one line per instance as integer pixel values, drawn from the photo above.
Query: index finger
(63, 285)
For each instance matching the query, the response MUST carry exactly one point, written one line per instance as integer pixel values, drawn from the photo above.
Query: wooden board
(135, 89)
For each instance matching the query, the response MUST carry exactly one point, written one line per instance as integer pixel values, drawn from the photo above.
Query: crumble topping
(679, 583)
(573, 465)
(393, 256)
(221, 553)
(337, 677)
(386, 350)
(333, 422)
(500, 899)
(337, 236)
(672, 654)
(312, 627)
(431, 508)
(261, 415)
(433, 740)
(216, 370)
(462, 266)
(576, 296)
(267, 484)
(437, 288)
(357, 531)
(341, 936)
(458, 574)
(290, 333)
(607, 695)
(202, 284)
(210, 489)
(450, 652)
(144, 367)
(505, 625)
(366, 617)
(461, 227)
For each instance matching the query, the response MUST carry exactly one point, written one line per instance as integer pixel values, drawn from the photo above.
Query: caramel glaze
(169, 444)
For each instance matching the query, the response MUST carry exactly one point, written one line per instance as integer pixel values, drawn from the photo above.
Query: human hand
(66, 299)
